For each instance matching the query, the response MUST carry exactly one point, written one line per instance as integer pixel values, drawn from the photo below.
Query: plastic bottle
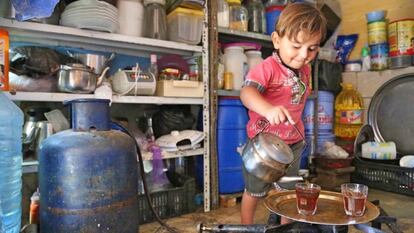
(4, 60)
(153, 66)
(11, 131)
(349, 108)
(366, 59)
(34, 208)
(235, 61)
(149, 134)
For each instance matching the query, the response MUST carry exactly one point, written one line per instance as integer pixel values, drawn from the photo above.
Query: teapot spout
(100, 78)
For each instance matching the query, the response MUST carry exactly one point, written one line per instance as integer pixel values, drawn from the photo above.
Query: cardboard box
(179, 88)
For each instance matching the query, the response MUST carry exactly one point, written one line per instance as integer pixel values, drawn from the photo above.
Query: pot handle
(100, 78)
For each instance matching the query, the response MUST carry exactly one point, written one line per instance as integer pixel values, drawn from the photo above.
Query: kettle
(267, 157)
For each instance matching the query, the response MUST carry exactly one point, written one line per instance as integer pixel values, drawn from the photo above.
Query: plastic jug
(11, 131)
(349, 108)
(235, 61)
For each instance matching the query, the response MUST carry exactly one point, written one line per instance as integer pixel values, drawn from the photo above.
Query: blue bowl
(375, 15)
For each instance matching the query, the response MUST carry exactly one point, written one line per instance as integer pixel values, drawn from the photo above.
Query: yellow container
(349, 109)
(377, 32)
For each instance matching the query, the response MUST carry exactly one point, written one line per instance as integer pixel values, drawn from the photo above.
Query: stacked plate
(91, 14)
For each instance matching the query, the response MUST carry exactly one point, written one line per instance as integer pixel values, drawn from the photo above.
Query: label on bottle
(353, 117)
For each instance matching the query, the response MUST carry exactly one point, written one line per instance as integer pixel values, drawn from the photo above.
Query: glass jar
(257, 16)
(155, 19)
(223, 14)
(238, 16)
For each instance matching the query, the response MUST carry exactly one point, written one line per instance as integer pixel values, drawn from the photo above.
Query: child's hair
(301, 17)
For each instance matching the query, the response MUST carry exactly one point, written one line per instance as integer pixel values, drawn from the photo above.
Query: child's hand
(277, 115)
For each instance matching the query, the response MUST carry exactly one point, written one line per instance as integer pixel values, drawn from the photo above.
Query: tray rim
(332, 195)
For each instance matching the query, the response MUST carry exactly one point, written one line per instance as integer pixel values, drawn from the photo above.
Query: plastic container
(375, 15)
(366, 59)
(11, 130)
(257, 16)
(4, 60)
(254, 57)
(325, 113)
(231, 134)
(349, 108)
(272, 16)
(235, 61)
(155, 19)
(223, 14)
(131, 17)
(238, 16)
(185, 25)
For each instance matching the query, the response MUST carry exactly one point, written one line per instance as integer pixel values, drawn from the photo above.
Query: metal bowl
(76, 78)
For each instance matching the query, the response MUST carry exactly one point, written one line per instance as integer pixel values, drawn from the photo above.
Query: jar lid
(234, 1)
(147, 2)
(244, 45)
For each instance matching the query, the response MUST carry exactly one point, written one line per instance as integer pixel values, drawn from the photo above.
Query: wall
(354, 21)
(367, 83)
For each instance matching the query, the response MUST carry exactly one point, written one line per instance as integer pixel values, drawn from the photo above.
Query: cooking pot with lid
(78, 78)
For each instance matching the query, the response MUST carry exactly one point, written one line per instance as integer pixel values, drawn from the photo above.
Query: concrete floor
(399, 206)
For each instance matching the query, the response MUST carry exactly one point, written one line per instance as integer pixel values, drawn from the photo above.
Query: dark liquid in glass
(306, 200)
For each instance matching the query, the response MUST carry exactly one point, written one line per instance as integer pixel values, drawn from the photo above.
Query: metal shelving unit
(54, 35)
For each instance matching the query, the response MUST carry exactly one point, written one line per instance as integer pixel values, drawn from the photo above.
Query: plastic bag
(46, 83)
(329, 76)
(344, 45)
(30, 9)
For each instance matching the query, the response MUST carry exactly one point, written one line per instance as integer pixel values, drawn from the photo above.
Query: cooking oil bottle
(349, 108)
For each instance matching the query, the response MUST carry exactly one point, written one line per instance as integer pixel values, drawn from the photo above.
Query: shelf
(54, 35)
(229, 35)
(32, 166)
(60, 97)
(228, 93)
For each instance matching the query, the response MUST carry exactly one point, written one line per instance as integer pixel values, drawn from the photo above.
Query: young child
(277, 90)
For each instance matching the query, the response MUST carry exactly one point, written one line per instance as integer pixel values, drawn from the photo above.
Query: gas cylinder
(88, 175)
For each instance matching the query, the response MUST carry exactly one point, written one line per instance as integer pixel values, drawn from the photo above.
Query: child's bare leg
(248, 208)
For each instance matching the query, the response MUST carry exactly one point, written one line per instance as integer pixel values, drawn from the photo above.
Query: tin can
(379, 56)
(401, 37)
(228, 81)
(377, 32)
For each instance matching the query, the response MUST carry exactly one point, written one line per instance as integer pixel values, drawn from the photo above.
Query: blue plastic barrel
(231, 134)
(325, 113)
(272, 16)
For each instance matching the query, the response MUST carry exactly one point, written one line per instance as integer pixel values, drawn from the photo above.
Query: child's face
(296, 54)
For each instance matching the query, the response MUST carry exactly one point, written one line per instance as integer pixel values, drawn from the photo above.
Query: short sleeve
(261, 75)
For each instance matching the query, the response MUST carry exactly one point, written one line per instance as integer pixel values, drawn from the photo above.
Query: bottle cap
(365, 51)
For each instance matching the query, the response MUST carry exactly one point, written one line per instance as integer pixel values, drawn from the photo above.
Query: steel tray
(330, 209)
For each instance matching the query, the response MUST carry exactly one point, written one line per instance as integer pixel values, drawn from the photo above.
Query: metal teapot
(266, 156)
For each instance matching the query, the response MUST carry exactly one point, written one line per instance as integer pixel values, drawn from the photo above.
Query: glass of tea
(355, 196)
(307, 198)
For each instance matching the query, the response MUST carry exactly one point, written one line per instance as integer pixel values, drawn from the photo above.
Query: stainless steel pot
(267, 157)
(78, 78)
(95, 61)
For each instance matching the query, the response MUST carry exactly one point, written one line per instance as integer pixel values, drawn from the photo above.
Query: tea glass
(307, 198)
(355, 197)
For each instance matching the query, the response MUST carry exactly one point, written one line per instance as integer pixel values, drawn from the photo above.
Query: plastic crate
(387, 177)
(168, 203)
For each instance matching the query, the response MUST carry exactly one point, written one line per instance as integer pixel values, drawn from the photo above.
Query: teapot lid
(271, 147)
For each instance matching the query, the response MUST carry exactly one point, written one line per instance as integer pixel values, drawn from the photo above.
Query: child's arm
(253, 100)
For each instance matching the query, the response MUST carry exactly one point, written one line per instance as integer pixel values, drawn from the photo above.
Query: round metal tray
(330, 209)
(390, 113)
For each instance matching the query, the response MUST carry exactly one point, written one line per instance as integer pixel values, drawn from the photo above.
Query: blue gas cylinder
(88, 175)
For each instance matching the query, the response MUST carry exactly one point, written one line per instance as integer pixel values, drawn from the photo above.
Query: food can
(379, 56)
(228, 81)
(377, 32)
(401, 37)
